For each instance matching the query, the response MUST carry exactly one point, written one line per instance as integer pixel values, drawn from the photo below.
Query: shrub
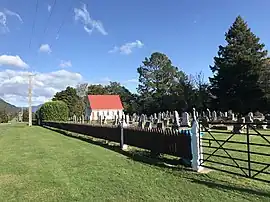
(53, 111)
(3, 117)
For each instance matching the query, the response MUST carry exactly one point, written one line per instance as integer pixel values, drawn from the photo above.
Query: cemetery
(247, 138)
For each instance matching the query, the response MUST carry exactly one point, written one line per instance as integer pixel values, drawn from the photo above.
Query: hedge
(53, 111)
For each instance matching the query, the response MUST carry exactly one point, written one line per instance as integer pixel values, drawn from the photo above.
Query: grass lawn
(37, 164)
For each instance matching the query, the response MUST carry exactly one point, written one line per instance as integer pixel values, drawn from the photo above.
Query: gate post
(196, 146)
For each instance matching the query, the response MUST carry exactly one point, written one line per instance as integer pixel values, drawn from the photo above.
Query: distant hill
(10, 109)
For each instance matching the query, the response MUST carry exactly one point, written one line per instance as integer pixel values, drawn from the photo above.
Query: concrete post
(196, 146)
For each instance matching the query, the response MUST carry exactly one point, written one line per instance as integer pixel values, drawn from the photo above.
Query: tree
(126, 96)
(97, 90)
(202, 94)
(3, 116)
(236, 70)
(74, 102)
(157, 78)
(54, 111)
(81, 89)
(25, 117)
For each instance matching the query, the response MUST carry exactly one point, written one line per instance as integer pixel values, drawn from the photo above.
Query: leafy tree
(97, 90)
(54, 111)
(74, 102)
(25, 117)
(202, 94)
(126, 96)
(3, 116)
(157, 79)
(236, 70)
(81, 89)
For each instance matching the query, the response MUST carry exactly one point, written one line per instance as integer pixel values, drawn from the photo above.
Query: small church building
(103, 105)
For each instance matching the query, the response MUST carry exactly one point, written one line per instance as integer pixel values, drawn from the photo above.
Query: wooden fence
(170, 142)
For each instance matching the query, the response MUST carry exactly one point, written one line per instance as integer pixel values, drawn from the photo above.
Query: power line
(34, 23)
(64, 19)
(51, 12)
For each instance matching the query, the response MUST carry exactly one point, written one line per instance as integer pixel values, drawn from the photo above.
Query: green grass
(37, 164)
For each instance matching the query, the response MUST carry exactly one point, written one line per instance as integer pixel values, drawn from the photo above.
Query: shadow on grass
(224, 185)
(144, 156)
(136, 155)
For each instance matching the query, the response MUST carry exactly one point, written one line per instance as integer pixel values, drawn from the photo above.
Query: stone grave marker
(214, 115)
(185, 119)
(208, 113)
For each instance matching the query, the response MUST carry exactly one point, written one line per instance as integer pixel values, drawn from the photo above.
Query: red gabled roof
(105, 102)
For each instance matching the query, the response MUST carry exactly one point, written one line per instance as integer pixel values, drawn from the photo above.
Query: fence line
(158, 141)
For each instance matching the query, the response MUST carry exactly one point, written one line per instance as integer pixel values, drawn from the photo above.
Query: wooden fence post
(196, 146)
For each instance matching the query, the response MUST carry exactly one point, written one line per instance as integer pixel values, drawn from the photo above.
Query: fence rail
(170, 142)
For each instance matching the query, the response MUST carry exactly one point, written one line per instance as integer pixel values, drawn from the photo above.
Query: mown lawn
(37, 164)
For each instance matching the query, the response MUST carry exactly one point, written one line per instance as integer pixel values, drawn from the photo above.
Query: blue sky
(107, 40)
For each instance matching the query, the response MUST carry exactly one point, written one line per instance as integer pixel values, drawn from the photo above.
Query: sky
(66, 42)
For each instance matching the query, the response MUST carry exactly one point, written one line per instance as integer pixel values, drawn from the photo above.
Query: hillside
(10, 109)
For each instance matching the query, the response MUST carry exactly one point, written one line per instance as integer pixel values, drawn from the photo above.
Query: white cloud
(10, 60)
(127, 48)
(49, 8)
(89, 24)
(45, 48)
(14, 85)
(64, 64)
(4, 19)
(11, 13)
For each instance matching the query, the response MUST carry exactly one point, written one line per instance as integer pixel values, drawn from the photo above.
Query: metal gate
(244, 152)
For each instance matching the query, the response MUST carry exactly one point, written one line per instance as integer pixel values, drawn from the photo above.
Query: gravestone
(208, 113)
(249, 119)
(185, 120)
(100, 119)
(225, 114)
(142, 121)
(220, 114)
(250, 114)
(214, 115)
(82, 119)
(163, 115)
(127, 119)
(159, 116)
(203, 114)
(151, 119)
(176, 122)
(74, 118)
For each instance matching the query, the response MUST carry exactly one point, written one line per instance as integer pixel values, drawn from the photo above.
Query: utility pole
(30, 99)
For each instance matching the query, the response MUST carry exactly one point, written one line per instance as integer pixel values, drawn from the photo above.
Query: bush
(3, 117)
(53, 111)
